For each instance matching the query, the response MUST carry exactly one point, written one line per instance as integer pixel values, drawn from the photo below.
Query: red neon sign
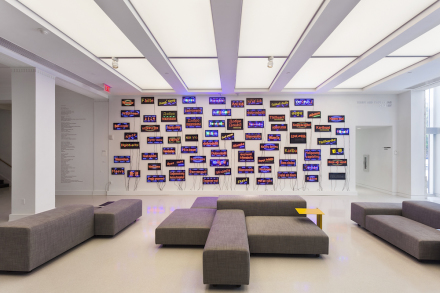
(107, 87)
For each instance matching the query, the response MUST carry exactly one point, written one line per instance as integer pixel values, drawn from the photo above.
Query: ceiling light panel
(367, 24)
(427, 44)
(272, 28)
(141, 73)
(316, 71)
(198, 73)
(85, 23)
(379, 70)
(253, 73)
(182, 28)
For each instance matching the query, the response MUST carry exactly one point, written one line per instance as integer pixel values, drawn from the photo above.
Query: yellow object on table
(316, 212)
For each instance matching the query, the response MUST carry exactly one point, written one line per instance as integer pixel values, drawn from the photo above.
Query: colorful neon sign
(121, 126)
(130, 113)
(155, 139)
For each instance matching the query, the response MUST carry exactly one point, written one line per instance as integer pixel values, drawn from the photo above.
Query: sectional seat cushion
(226, 254)
(424, 212)
(285, 235)
(29, 242)
(263, 205)
(185, 227)
(359, 210)
(205, 203)
(419, 240)
(114, 217)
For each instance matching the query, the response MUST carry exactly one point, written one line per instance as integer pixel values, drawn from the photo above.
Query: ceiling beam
(226, 16)
(329, 16)
(416, 27)
(125, 16)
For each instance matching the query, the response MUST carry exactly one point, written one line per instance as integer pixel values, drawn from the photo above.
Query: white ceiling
(190, 41)
(253, 73)
(182, 28)
(369, 23)
(379, 70)
(272, 28)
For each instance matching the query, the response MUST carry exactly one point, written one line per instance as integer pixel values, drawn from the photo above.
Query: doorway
(374, 158)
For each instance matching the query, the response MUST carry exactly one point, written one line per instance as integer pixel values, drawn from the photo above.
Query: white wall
(410, 144)
(372, 142)
(365, 110)
(81, 138)
(5, 143)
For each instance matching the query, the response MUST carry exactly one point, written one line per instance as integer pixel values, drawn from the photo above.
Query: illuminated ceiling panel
(316, 71)
(85, 23)
(182, 28)
(272, 28)
(141, 73)
(254, 73)
(198, 73)
(379, 70)
(427, 44)
(367, 24)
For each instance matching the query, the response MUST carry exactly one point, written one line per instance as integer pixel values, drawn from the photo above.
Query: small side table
(316, 212)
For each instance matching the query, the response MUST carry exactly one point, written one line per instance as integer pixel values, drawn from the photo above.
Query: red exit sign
(107, 87)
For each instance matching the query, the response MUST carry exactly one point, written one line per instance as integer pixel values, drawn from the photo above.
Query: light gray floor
(131, 262)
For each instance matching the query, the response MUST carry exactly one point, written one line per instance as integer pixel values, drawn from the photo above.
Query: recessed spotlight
(43, 31)
(115, 62)
(270, 63)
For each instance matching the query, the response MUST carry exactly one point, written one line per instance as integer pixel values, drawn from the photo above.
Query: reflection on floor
(131, 262)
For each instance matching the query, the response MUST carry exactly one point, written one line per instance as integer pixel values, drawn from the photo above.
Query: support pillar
(33, 142)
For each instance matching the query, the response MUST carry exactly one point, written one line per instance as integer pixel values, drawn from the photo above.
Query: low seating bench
(238, 225)
(263, 205)
(185, 227)
(360, 210)
(285, 235)
(411, 226)
(114, 217)
(30, 242)
(226, 254)
(205, 203)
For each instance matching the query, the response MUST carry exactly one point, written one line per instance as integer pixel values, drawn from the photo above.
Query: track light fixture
(270, 63)
(115, 62)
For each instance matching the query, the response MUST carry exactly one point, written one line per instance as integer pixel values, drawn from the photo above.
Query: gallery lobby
(219, 145)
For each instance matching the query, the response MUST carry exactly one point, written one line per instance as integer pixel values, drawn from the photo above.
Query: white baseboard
(406, 195)
(375, 188)
(13, 217)
(73, 192)
(226, 192)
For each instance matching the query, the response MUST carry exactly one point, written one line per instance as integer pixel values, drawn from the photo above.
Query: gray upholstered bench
(417, 239)
(285, 235)
(114, 217)
(185, 227)
(30, 242)
(226, 254)
(205, 203)
(359, 210)
(263, 205)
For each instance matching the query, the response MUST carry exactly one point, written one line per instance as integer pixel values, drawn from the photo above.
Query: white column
(436, 113)
(417, 143)
(33, 142)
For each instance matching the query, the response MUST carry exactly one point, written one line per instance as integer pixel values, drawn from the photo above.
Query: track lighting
(270, 63)
(115, 62)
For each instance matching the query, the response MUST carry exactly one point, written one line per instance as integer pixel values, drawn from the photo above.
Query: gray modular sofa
(30, 242)
(410, 226)
(241, 225)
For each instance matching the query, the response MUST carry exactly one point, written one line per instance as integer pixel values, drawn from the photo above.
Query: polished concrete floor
(130, 262)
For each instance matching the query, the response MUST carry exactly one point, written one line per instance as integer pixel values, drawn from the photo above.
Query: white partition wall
(368, 110)
(33, 142)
